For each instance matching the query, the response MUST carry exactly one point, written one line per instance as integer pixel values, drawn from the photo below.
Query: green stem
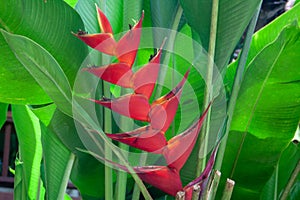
(237, 84)
(136, 189)
(66, 177)
(107, 149)
(169, 46)
(120, 188)
(209, 76)
(290, 184)
(276, 182)
(214, 185)
(228, 190)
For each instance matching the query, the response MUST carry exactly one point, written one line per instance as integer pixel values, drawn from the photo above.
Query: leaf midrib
(253, 110)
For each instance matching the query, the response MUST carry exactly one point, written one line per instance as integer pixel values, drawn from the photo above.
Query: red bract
(125, 49)
(159, 114)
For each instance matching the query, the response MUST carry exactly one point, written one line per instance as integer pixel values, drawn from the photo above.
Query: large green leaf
(44, 113)
(48, 23)
(88, 176)
(87, 173)
(233, 18)
(266, 115)
(58, 162)
(30, 151)
(285, 167)
(3, 111)
(264, 37)
(44, 68)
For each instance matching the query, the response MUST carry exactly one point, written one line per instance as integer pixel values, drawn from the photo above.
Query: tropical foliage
(54, 84)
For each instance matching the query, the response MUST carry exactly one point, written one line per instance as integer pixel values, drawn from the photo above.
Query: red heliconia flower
(136, 106)
(142, 82)
(160, 113)
(167, 178)
(125, 49)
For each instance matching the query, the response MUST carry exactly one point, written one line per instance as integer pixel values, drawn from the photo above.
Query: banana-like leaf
(72, 3)
(48, 23)
(30, 152)
(3, 111)
(44, 113)
(88, 176)
(266, 115)
(87, 173)
(44, 69)
(263, 37)
(285, 167)
(58, 162)
(233, 18)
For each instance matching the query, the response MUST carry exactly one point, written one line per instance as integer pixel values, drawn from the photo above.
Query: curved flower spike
(163, 110)
(162, 177)
(104, 24)
(136, 106)
(125, 50)
(142, 82)
(168, 179)
(127, 46)
(144, 138)
(180, 147)
(203, 178)
(116, 73)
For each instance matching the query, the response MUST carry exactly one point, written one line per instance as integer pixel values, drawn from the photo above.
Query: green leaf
(72, 3)
(263, 37)
(58, 162)
(64, 127)
(162, 17)
(87, 173)
(88, 176)
(233, 18)
(3, 112)
(30, 150)
(288, 162)
(44, 113)
(19, 181)
(48, 23)
(44, 68)
(266, 115)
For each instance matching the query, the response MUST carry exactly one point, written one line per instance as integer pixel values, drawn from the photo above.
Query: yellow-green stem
(236, 86)
(208, 90)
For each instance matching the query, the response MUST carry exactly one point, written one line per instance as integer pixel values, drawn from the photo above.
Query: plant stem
(196, 192)
(214, 185)
(136, 190)
(108, 152)
(209, 76)
(290, 184)
(237, 84)
(169, 46)
(66, 177)
(228, 190)
(180, 195)
(120, 188)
